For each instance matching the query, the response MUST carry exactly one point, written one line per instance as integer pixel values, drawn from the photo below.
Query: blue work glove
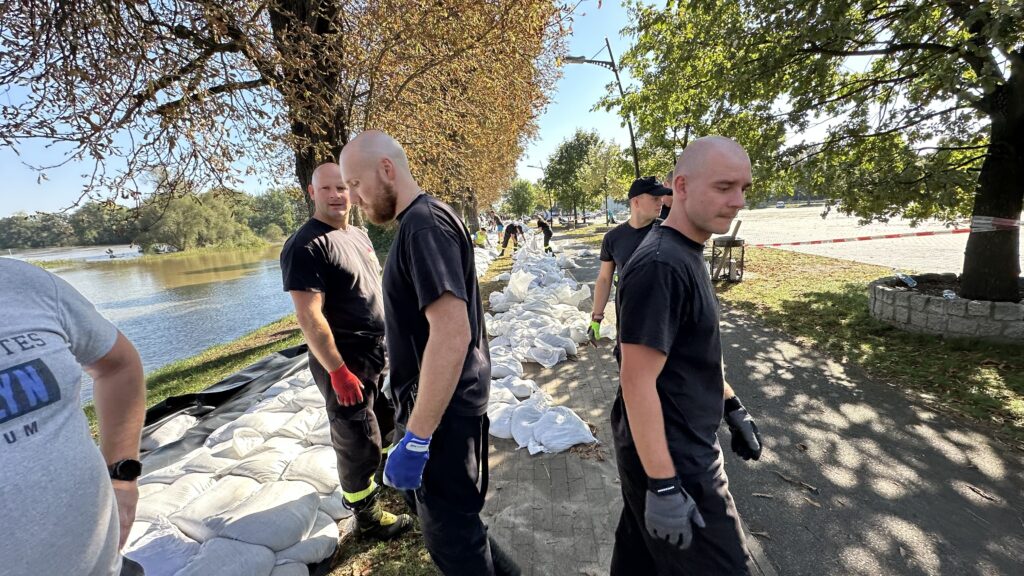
(746, 440)
(404, 469)
(671, 513)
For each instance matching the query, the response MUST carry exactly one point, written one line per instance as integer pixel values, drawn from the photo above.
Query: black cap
(648, 185)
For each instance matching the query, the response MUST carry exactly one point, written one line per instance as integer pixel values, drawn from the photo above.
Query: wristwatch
(127, 470)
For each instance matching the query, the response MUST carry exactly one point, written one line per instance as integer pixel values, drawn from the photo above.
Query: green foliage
(36, 231)
(916, 109)
(99, 223)
(194, 221)
(284, 208)
(521, 198)
(607, 171)
(564, 171)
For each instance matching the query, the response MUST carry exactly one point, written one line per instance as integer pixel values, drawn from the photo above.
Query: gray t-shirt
(58, 512)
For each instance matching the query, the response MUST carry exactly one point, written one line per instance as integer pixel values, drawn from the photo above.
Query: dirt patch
(936, 286)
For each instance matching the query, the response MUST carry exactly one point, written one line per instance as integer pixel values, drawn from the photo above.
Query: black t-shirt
(664, 212)
(667, 303)
(620, 242)
(544, 227)
(432, 254)
(343, 266)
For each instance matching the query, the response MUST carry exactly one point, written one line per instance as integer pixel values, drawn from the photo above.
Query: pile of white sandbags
(261, 497)
(537, 319)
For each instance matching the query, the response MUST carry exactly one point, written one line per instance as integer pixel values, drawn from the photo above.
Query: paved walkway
(888, 487)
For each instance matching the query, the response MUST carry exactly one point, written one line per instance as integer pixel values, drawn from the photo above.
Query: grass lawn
(215, 363)
(404, 556)
(824, 302)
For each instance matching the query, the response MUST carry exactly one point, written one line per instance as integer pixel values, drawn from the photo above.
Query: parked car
(780, 204)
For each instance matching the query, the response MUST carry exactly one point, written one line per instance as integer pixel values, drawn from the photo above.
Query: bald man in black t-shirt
(679, 517)
(333, 275)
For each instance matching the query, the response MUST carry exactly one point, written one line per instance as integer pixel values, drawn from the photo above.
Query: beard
(382, 209)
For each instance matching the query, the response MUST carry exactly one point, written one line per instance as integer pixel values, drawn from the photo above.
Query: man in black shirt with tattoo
(440, 360)
(333, 276)
(619, 243)
(679, 517)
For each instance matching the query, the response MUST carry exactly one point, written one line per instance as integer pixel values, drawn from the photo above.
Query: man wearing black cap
(645, 196)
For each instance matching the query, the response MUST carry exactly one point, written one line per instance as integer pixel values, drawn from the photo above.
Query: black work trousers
(356, 431)
(451, 497)
(718, 549)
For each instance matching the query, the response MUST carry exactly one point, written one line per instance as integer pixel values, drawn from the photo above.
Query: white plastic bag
(560, 429)
(164, 550)
(170, 431)
(500, 415)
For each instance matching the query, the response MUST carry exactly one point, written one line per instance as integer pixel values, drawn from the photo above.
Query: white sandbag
(168, 432)
(139, 529)
(263, 422)
(505, 366)
(175, 497)
(578, 296)
(301, 423)
(308, 397)
(164, 550)
(522, 388)
(497, 299)
(502, 395)
(608, 331)
(277, 403)
(277, 516)
(564, 261)
(560, 429)
(556, 341)
(265, 465)
(290, 569)
(333, 505)
(319, 544)
(320, 435)
(193, 519)
(504, 277)
(277, 388)
(226, 557)
(292, 446)
(316, 466)
(147, 490)
(524, 418)
(500, 415)
(519, 285)
(206, 462)
(546, 356)
(245, 440)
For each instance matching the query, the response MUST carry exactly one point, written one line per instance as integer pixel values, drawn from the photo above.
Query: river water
(172, 309)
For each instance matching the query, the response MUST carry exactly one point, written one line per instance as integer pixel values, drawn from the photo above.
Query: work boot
(373, 522)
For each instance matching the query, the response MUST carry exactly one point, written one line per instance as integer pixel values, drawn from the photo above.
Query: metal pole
(622, 94)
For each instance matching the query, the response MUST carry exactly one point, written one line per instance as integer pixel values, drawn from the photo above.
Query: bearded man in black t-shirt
(679, 517)
(439, 357)
(619, 243)
(333, 276)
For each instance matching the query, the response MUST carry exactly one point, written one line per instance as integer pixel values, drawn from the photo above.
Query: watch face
(126, 470)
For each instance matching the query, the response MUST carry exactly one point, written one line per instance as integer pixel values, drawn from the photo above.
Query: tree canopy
(920, 106)
(521, 198)
(213, 91)
(563, 174)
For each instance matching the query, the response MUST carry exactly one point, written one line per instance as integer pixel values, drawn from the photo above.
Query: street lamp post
(610, 64)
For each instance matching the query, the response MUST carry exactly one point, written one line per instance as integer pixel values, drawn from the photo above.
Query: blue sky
(576, 93)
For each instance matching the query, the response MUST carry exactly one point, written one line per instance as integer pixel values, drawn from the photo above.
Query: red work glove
(346, 386)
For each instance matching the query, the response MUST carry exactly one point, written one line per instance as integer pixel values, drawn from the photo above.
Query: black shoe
(373, 522)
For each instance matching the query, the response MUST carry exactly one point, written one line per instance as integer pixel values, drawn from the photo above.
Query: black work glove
(671, 513)
(746, 440)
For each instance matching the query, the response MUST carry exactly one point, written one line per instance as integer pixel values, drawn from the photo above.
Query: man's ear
(309, 190)
(387, 168)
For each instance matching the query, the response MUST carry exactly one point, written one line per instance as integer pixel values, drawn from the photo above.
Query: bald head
(326, 172)
(372, 146)
(706, 152)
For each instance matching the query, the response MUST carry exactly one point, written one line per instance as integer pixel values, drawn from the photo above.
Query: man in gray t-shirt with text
(67, 505)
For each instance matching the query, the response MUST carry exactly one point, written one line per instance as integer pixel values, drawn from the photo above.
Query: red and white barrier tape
(862, 238)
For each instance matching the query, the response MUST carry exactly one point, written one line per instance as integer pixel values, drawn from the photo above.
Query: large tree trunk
(992, 259)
